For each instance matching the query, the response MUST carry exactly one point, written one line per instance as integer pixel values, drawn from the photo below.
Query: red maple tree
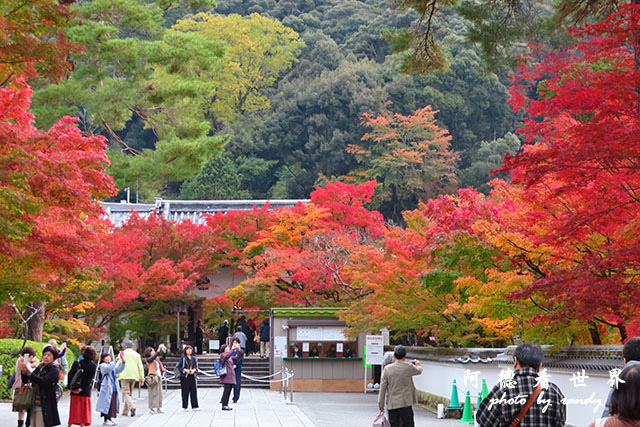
(51, 184)
(581, 171)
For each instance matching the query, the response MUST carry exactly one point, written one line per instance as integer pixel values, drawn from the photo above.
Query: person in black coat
(80, 401)
(44, 378)
(223, 333)
(188, 367)
(248, 331)
(265, 331)
(199, 337)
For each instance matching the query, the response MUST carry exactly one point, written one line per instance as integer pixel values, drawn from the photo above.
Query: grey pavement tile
(256, 408)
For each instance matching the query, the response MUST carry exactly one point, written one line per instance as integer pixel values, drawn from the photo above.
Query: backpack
(220, 370)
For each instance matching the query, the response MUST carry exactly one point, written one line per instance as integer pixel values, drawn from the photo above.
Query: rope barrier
(282, 380)
(266, 376)
(285, 381)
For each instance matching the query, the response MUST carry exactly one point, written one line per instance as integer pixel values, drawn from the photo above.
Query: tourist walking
(625, 400)
(265, 331)
(44, 379)
(397, 388)
(80, 401)
(188, 367)
(544, 399)
(133, 373)
(109, 395)
(154, 377)
(630, 356)
(237, 368)
(229, 379)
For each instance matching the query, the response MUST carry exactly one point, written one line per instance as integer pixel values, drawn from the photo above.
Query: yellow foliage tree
(257, 50)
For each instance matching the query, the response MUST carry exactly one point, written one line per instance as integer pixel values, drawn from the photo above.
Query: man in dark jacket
(223, 333)
(44, 377)
(265, 330)
(237, 368)
(631, 356)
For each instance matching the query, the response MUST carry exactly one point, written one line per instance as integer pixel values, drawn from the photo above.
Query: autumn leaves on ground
(552, 253)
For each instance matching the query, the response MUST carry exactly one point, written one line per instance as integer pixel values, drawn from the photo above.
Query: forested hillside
(269, 95)
(346, 69)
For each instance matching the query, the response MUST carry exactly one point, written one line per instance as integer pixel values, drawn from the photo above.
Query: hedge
(8, 361)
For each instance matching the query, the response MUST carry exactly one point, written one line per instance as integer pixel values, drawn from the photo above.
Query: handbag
(76, 381)
(526, 407)
(220, 369)
(23, 398)
(381, 421)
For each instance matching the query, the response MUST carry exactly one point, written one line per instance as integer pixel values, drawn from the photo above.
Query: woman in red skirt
(80, 407)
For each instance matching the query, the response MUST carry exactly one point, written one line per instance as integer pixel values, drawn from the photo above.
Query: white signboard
(214, 345)
(279, 347)
(375, 349)
(339, 347)
(320, 333)
(305, 347)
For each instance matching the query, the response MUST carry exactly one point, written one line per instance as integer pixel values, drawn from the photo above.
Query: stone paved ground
(256, 408)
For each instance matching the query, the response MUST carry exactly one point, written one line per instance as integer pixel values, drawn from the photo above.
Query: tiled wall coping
(590, 358)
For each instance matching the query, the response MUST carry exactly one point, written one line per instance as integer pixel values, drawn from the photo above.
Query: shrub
(8, 360)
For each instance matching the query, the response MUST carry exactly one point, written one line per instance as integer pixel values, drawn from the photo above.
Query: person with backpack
(188, 368)
(81, 374)
(228, 379)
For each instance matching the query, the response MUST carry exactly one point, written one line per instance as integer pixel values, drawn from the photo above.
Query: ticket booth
(310, 341)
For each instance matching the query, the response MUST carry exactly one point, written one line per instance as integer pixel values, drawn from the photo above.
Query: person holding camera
(397, 388)
(29, 356)
(108, 397)
(228, 356)
(154, 378)
(44, 379)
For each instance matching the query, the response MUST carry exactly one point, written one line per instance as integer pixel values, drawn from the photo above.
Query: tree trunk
(595, 334)
(623, 332)
(35, 325)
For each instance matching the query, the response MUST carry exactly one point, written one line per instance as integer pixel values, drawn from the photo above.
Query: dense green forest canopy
(261, 98)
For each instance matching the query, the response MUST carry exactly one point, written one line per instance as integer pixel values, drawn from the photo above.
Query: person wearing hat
(133, 373)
